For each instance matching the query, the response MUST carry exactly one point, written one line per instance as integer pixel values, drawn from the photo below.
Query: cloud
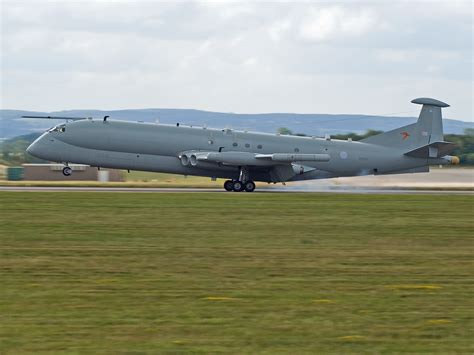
(277, 29)
(325, 23)
(237, 56)
(250, 62)
(393, 55)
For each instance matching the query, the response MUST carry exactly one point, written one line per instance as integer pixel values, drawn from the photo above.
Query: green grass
(239, 273)
(132, 179)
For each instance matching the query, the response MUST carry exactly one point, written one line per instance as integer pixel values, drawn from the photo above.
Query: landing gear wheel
(229, 185)
(249, 186)
(238, 186)
(67, 171)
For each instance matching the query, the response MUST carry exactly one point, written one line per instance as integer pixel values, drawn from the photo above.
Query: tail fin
(421, 139)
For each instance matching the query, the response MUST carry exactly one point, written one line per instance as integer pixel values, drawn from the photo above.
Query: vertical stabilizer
(427, 130)
(430, 121)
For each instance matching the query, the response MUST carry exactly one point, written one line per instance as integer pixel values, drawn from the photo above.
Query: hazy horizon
(406, 114)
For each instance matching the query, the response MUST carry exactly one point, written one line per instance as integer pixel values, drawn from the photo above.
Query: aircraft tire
(238, 186)
(67, 171)
(229, 185)
(249, 186)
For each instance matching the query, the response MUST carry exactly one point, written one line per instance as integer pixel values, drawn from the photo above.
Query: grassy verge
(241, 273)
(132, 179)
(175, 184)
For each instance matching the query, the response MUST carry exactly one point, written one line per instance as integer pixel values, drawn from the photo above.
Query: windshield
(59, 128)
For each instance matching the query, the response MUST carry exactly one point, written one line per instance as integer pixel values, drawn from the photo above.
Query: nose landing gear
(67, 171)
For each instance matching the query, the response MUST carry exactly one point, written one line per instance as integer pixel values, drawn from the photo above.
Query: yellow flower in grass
(219, 298)
(439, 321)
(414, 287)
(353, 337)
(323, 301)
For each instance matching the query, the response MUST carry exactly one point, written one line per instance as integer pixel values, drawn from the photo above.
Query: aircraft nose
(37, 148)
(31, 148)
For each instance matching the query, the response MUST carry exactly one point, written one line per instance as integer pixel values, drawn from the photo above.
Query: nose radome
(37, 148)
(31, 148)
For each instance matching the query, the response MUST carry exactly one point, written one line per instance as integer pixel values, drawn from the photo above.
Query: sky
(360, 57)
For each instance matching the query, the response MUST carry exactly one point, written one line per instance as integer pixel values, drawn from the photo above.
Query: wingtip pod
(429, 101)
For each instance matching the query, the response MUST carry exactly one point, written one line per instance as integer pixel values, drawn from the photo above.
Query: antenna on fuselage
(105, 118)
(57, 118)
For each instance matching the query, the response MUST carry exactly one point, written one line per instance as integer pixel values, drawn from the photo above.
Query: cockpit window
(59, 128)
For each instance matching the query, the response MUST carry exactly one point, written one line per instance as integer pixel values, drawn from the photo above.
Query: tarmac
(437, 181)
(284, 189)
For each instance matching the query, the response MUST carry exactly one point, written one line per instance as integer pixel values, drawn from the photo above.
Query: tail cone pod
(455, 160)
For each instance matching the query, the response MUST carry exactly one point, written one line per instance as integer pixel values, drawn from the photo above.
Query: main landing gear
(242, 184)
(67, 171)
(238, 186)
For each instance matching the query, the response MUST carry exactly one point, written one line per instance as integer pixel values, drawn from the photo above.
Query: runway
(288, 189)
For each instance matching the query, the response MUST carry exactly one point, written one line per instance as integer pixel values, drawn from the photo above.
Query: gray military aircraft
(244, 157)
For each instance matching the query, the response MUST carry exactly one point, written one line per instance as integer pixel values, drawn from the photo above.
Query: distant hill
(12, 125)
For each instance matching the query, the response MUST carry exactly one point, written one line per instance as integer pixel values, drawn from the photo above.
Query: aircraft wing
(194, 158)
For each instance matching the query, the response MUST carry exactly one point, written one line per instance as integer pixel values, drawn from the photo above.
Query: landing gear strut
(67, 171)
(242, 184)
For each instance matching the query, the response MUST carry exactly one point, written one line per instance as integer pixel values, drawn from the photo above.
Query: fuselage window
(296, 150)
(235, 144)
(259, 146)
(247, 145)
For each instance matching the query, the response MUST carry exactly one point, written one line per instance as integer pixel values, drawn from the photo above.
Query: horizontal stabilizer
(432, 150)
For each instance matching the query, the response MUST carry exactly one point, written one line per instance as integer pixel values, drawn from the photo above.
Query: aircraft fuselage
(157, 147)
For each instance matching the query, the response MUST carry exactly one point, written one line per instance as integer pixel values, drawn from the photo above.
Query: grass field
(132, 179)
(239, 273)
